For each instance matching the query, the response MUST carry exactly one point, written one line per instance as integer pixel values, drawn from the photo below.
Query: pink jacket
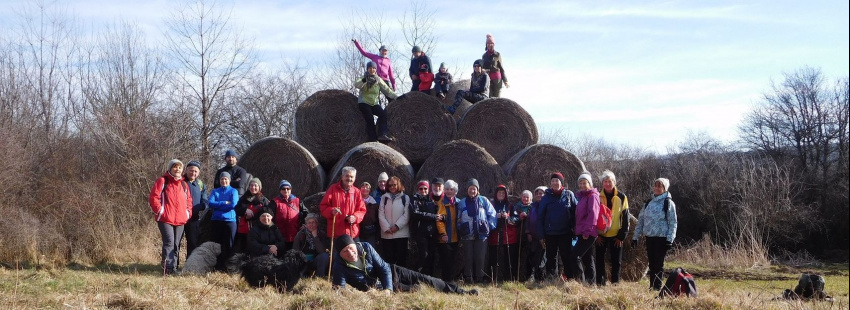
(587, 212)
(385, 66)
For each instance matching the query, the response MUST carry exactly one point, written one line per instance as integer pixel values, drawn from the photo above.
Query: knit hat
(490, 39)
(587, 177)
(284, 183)
(173, 162)
(541, 188)
(437, 181)
(194, 163)
(416, 49)
(256, 180)
(422, 183)
(224, 175)
(383, 177)
(558, 175)
(371, 64)
(477, 63)
(472, 182)
(342, 242)
(499, 188)
(230, 153)
(664, 181)
(383, 48)
(442, 65)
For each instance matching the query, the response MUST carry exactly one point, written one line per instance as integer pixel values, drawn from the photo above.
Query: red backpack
(679, 282)
(603, 222)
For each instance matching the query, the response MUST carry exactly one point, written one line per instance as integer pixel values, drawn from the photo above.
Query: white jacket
(393, 211)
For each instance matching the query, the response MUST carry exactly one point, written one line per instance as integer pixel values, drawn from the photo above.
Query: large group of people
(370, 230)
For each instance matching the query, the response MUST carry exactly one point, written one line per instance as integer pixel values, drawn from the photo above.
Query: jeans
(616, 260)
(171, 236)
(474, 256)
(583, 269)
(369, 111)
(656, 251)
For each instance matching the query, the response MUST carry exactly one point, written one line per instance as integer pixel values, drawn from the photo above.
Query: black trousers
(192, 231)
(559, 245)
(395, 251)
(584, 271)
(223, 233)
(404, 278)
(426, 253)
(656, 251)
(616, 255)
(368, 112)
(448, 260)
(531, 265)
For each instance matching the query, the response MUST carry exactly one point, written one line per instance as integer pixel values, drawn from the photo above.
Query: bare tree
(213, 58)
(417, 26)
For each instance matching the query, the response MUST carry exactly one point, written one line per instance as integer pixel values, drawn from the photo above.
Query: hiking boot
(472, 292)
(385, 138)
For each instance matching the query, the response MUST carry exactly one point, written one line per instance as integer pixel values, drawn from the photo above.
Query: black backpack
(679, 282)
(809, 286)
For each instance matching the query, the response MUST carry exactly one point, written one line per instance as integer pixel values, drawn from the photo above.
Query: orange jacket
(170, 200)
(350, 203)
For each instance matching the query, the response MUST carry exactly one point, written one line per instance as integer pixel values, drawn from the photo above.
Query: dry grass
(706, 253)
(142, 287)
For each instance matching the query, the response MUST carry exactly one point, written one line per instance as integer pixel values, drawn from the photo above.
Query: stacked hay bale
(372, 158)
(461, 160)
(272, 159)
(328, 124)
(500, 126)
(419, 125)
(533, 166)
(450, 98)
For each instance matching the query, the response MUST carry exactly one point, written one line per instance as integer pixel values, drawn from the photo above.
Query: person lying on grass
(358, 264)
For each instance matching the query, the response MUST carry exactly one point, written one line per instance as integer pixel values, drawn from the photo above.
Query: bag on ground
(679, 282)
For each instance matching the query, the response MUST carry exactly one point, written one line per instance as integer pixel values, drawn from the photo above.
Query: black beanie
(342, 242)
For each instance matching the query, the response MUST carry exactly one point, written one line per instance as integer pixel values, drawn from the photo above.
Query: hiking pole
(508, 249)
(331, 262)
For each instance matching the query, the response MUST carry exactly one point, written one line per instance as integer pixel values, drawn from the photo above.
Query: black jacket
(423, 211)
(262, 237)
(416, 63)
(236, 173)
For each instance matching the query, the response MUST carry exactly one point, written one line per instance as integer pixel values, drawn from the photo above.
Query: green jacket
(369, 95)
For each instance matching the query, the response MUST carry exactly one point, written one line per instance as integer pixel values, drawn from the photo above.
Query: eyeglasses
(423, 188)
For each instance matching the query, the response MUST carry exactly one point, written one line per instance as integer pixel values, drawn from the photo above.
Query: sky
(641, 73)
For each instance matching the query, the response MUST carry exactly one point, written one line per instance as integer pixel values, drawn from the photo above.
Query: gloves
(634, 243)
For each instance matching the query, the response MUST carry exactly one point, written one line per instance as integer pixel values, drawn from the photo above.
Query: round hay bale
(635, 261)
(272, 159)
(312, 204)
(500, 126)
(372, 158)
(461, 160)
(533, 166)
(419, 125)
(328, 123)
(450, 97)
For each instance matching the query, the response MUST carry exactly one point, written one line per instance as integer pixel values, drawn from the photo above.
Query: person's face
(382, 185)
(348, 178)
(253, 188)
(266, 219)
(539, 195)
(285, 191)
(500, 195)
(349, 253)
(443, 70)
(436, 189)
(555, 184)
(176, 169)
(224, 181)
(423, 190)
(416, 54)
(472, 191)
(526, 199)
(607, 184)
(451, 192)
(491, 46)
(392, 186)
(230, 160)
(476, 68)
(312, 224)
(583, 185)
(658, 188)
(372, 70)
(192, 173)
(364, 191)
(384, 53)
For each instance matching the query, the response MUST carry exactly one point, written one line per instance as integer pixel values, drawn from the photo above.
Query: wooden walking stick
(331, 262)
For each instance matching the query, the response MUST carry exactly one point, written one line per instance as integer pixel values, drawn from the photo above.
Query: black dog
(269, 270)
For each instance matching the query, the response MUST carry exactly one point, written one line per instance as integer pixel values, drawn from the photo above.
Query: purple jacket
(385, 66)
(587, 212)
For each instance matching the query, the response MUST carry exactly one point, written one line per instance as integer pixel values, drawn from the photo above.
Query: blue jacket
(475, 223)
(652, 222)
(362, 279)
(199, 198)
(224, 211)
(556, 215)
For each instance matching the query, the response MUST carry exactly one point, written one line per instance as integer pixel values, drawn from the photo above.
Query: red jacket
(170, 200)
(506, 229)
(425, 80)
(287, 216)
(350, 203)
(257, 206)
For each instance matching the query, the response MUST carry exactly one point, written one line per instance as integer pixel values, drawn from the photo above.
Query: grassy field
(134, 286)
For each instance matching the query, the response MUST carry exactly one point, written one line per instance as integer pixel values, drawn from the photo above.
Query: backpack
(809, 286)
(603, 222)
(403, 200)
(665, 208)
(679, 282)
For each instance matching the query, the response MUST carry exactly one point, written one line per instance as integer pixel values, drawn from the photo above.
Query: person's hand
(523, 215)
(584, 237)
(414, 77)
(543, 243)
(634, 243)
(507, 85)
(394, 229)
(249, 214)
(354, 40)
(599, 241)
(618, 243)
(444, 239)
(273, 250)
(237, 180)
(336, 211)
(351, 219)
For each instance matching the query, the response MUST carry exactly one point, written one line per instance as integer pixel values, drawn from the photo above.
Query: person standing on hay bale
(492, 64)
(264, 237)
(557, 223)
(476, 218)
(314, 245)
(426, 79)
(248, 209)
(523, 208)
(478, 87)
(171, 204)
(657, 221)
(369, 226)
(199, 204)
(371, 87)
(343, 205)
(503, 259)
(443, 81)
(384, 64)
(359, 265)
(447, 225)
(535, 249)
(612, 240)
(394, 215)
(419, 58)
(423, 212)
(223, 224)
(289, 213)
(587, 214)
(238, 175)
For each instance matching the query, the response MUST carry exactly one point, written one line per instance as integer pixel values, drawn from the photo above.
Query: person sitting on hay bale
(443, 81)
(479, 85)
(371, 87)
(426, 79)
(416, 61)
(384, 64)
(314, 245)
(238, 175)
(359, 265)
(289, 213)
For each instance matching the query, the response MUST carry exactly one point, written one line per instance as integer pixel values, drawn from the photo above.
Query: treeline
(89, 119)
